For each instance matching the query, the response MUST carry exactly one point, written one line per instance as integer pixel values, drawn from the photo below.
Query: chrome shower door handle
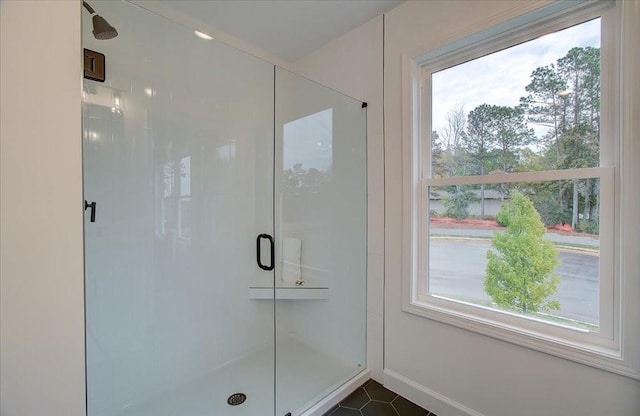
(259, 252)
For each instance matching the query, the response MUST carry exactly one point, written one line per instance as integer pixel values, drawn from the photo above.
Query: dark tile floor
(372, 399)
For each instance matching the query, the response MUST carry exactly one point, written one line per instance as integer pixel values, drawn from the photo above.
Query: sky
(501, 78)
(309, 141)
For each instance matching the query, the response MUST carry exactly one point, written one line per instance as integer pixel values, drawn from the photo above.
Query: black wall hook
(93, 209)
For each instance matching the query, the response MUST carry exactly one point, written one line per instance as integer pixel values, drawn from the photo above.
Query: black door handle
(93, 209)
(259, 255)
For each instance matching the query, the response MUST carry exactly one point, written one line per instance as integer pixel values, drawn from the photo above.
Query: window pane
(185, 176)
(168, 179)
(308, 146)
(531, 253)
(534, 106)
(185, 218)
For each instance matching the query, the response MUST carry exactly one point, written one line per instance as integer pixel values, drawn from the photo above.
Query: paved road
(457, 268)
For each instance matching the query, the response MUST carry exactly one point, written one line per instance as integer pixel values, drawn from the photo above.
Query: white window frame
(608, 349)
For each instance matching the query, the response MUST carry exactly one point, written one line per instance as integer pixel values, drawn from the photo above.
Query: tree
(544, 105)
(580, 67)
(297, 177)
(565, 97)
(453, 157)
(457, 204)
(479, 140)
(521, 275)
(495, 136)
(438, 164)
(454, 132)
(511, 134)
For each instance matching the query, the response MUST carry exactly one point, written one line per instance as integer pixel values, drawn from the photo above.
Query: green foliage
(502, 218)
(564, 97)
(457, 204)
(590, 227)
(575, 112)
(480, 138)
(520, 276)
(511, 133)
(496, 134)
(298, 178)
(544, 106)
(551, 212)
(529, 161)
(438, 163)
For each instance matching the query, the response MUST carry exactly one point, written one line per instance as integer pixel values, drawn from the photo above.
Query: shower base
(306, 377)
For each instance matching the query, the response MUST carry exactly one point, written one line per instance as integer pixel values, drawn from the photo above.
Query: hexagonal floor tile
(377, 392)
(407, 408)
(374, 408)
(356, 400)
(343, 411)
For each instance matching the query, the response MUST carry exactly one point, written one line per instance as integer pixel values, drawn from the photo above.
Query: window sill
(608, 359)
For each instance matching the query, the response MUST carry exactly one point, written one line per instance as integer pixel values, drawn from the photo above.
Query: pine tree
(521, 275)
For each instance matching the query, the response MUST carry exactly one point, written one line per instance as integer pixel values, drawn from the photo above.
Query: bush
(590, 227)
(502, 218)
(521, 276)
(551, 212)
(457, 204)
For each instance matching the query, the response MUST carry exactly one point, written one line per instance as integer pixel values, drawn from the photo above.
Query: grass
(544, 316)
(581, 247)
(465, 299)
(560, 245)
(566, 321)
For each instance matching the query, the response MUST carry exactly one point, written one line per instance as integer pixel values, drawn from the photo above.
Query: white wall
(452, 371)
(448, 370)
(42, 358)
(41, 289)
(352, 64)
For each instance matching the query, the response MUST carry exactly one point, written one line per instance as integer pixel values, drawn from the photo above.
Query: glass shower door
(178, 159)
(321, 220)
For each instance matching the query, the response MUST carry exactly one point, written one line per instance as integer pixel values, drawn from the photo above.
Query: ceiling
(289, 29)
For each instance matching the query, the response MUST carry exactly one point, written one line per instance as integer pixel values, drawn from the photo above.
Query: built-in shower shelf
(285, 290)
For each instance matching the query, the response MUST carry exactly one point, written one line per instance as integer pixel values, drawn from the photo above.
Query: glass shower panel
(321, 218)
(178, 157)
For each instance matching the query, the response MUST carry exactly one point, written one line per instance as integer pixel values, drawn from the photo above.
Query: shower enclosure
(226, 257)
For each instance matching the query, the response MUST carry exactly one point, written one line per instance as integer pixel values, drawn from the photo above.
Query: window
(513, 208)
(184, 201)
(175, 214)
(503, 125)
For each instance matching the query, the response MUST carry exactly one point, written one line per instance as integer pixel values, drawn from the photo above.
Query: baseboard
(338, 394)
(425, 397)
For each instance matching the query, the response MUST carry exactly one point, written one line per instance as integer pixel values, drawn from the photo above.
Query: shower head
(101, 28)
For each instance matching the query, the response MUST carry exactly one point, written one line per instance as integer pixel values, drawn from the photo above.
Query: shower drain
(236, 399)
